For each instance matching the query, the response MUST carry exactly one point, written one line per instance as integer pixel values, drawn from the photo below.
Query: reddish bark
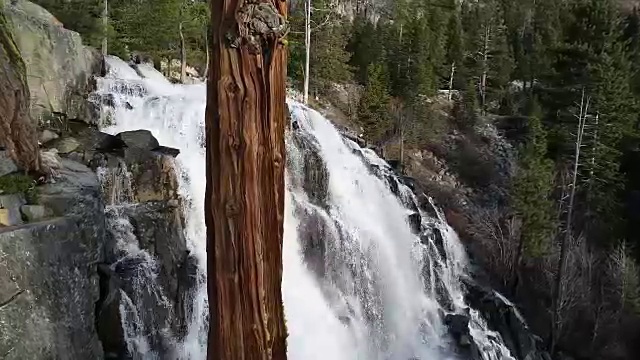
(17, 130)
(244, 205)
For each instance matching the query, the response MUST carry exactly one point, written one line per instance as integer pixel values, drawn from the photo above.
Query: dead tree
(244, 201)
(558, 289)
(17, 129)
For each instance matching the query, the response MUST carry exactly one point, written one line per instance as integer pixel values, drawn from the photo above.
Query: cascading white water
(381, 289)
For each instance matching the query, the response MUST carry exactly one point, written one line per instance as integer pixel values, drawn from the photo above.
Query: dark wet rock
(458, 326)
(316, 176)
(395, 164)
(504, 318)
(108, 319)
(408, 182)
(313, 234)
(415, 222)
(140, 139)
(162, 288)
(438, 241)
(425, 205)
(393, 185)
(165, 150)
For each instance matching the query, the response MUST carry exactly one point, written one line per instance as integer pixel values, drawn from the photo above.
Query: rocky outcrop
(72, 265)
(147, 270)
(503, 317)
(48, 278)
(59, 67)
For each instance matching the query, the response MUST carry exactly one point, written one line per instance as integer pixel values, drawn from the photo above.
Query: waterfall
(367, 273)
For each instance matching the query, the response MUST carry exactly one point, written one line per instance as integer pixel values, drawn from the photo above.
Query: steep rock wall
(58, 66)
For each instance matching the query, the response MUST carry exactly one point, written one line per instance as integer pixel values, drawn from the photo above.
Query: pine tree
(373, 110)
(616, 110)
(329, 56)
(365, 47)
(532, 189)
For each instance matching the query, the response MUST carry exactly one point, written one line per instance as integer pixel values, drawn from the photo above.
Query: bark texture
(17, 130)
(244, 205)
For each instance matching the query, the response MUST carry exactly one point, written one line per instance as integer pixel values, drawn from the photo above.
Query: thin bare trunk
(183, 57)
(453, 71)
(244, 200)
(307, 46)
(105, 26)
(485, 63)
(402, 143)
(206, 48)
(558, 291)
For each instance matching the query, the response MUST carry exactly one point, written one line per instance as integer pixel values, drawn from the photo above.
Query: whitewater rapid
(380, 296)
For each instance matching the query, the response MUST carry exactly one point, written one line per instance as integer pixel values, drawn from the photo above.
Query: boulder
(11, 203)
(458, 326)
(140, 139)
(152, 175)
(59, 67)
(47, 135)
(65, 145)
(7, 166)
(34, 212)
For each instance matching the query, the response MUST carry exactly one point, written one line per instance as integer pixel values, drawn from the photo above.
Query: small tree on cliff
(244, 202)
(17, 130)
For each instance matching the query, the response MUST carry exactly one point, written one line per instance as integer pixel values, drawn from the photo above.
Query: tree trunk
(558, 291)
(244, 202)
(307, 46)
(206, 50)
(453, 71)
(17, 130)
(183, 57)
(105, 26)
(485, 64)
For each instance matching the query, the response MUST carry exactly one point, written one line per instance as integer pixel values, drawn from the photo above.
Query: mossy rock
(18, 183)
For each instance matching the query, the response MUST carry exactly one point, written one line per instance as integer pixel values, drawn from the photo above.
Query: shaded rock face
(59, 67)
(504, 318)
(48, 278)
